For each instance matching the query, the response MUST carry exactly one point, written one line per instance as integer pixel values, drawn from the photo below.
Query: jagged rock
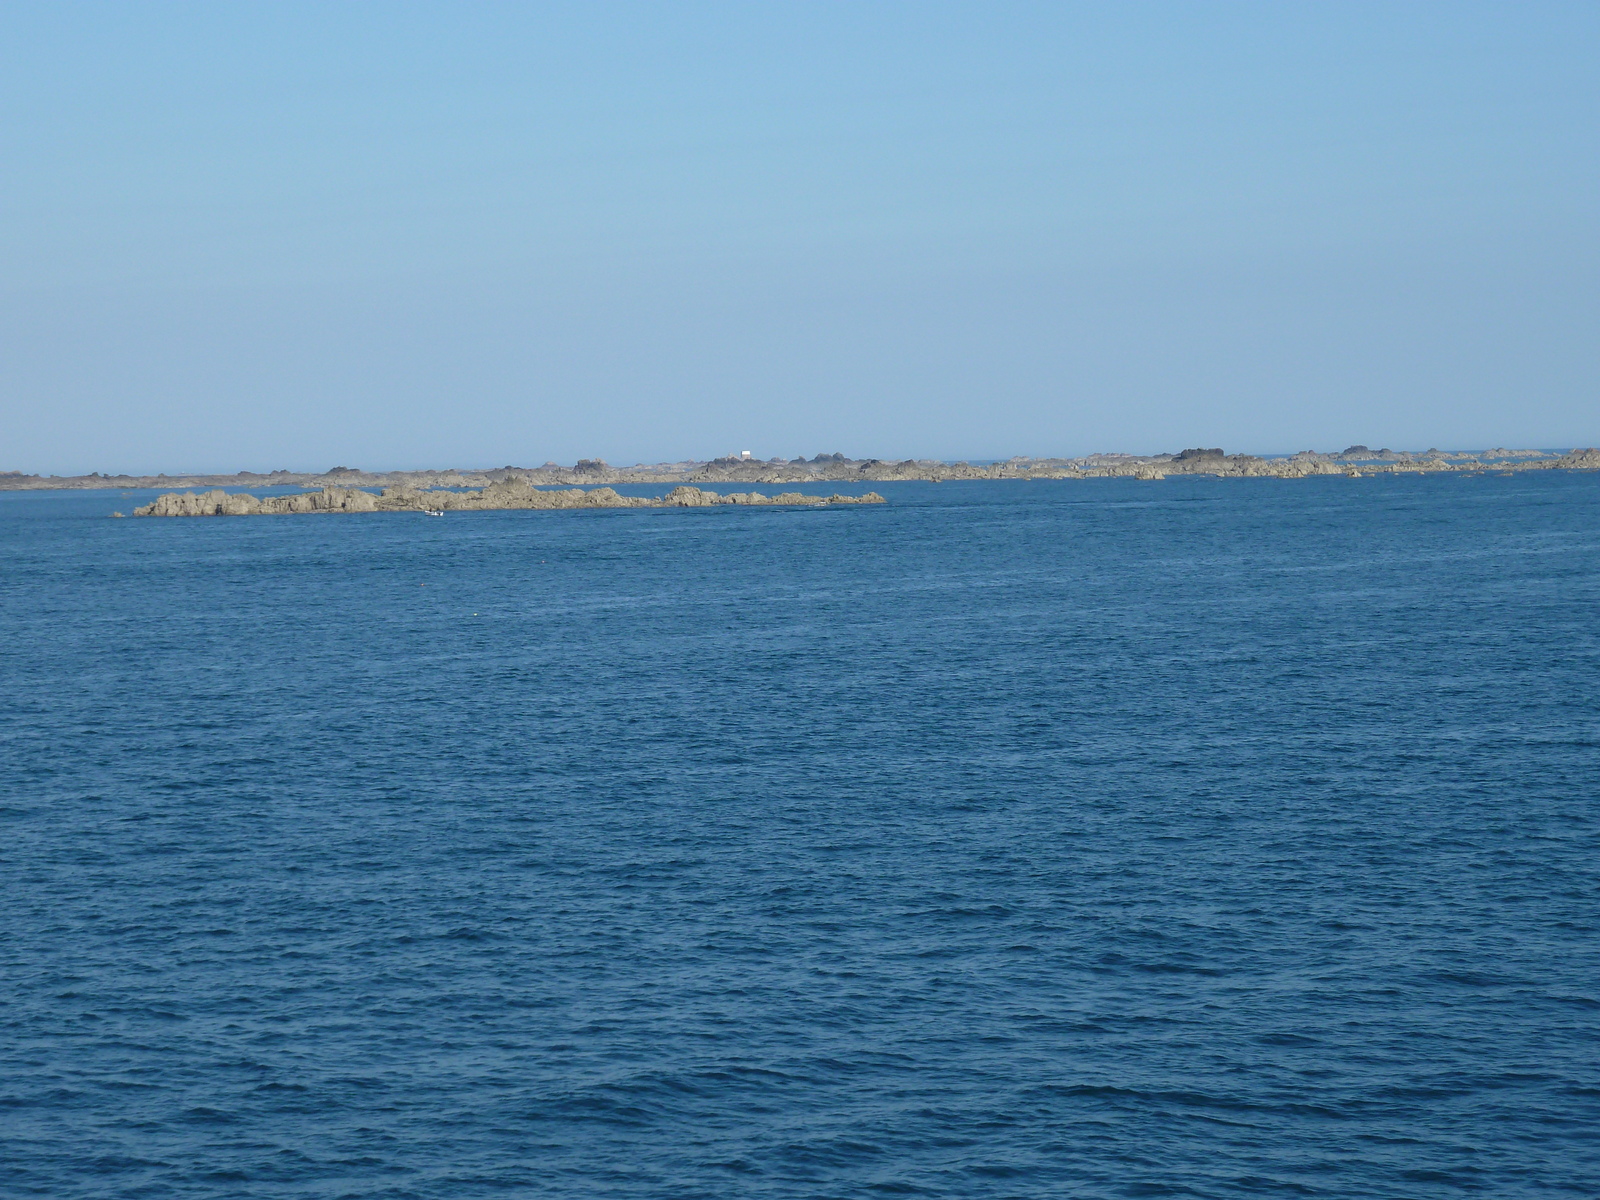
(1577, 460)
(689, 497)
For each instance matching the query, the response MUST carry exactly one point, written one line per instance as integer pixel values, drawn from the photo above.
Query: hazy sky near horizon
(263, 235)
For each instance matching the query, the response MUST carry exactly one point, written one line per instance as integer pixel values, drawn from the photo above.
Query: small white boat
(434, 512)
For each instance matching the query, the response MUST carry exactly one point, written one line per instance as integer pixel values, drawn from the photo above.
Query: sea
(1084, 838)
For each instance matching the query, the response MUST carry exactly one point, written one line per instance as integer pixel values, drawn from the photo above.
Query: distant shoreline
(835, 468)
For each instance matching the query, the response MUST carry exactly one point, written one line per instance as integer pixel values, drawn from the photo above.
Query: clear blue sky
(261, 235)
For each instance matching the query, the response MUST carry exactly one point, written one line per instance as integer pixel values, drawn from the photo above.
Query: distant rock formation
(732, 472)
(514, 492)
(1579, 460)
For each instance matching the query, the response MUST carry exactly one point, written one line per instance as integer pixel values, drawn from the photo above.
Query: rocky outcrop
(509, 493)
(218, 503)
(1577, 460)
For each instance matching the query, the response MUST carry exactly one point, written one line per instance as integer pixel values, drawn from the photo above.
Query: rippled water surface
(1080, 839)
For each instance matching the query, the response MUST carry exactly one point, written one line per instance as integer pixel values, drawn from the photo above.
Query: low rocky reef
(505, 494)
(735, 471)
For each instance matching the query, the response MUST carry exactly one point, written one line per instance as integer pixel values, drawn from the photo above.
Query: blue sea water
(1081, 839)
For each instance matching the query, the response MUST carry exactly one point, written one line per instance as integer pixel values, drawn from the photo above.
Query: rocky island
(502, 494)
(589, 481)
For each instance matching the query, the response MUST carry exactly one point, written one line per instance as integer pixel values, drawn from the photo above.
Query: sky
(387, 235)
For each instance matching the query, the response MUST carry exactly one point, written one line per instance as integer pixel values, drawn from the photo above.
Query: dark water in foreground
(1192, 838)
